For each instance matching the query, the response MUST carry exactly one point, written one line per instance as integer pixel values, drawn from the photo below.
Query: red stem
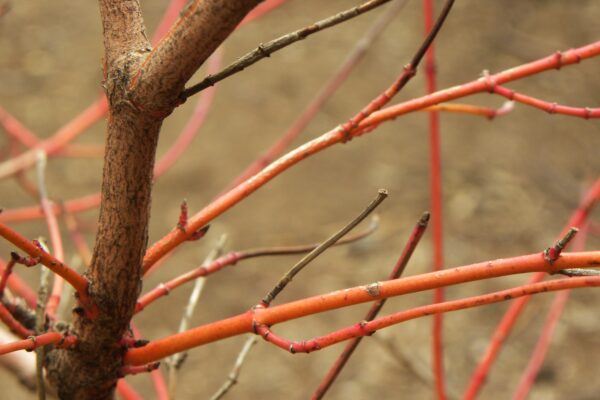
(436, 209)
(368, 328)
(551, 108)
(76, 280)
(244, 323)
(33, 342)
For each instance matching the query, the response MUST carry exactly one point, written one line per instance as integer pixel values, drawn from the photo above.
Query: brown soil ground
(509, 187)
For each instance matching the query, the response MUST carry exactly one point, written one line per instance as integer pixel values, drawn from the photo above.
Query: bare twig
(287, 278)
(235, 371)
(266, 49)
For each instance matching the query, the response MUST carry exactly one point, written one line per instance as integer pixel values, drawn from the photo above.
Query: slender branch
(550, 108)
(33, 342)
(232, 378)
(265, 50)
(246, 322)
(435, 185)
(397, 271)
(287, 278)
(233, 258)
(76, 280)
(367, 328)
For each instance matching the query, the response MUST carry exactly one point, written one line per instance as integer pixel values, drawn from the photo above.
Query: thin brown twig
(232, 379)
(265, 50)
(287, 278)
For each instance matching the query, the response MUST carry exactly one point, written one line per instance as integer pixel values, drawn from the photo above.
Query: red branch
(368, 328)
(435, 184)
(551, 108)
(76, 280)
(60, 341)
(244, 323)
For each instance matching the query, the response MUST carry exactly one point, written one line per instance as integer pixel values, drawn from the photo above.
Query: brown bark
(143, 87)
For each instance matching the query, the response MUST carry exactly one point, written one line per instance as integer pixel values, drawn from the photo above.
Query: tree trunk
(143, 87)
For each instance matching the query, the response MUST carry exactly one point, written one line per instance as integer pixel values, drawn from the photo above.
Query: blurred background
(509, 186)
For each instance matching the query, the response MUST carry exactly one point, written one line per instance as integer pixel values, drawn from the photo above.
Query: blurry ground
(509, 186)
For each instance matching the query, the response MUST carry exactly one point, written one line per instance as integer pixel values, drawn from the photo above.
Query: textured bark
(143, 87)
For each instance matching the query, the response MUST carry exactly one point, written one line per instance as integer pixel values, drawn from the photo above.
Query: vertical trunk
(142, 87)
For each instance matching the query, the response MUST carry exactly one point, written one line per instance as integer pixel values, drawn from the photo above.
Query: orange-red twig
(246, 322)
(76, 280)
(366, 328)
(508, 320)
(550, 108)
(435, 184)
(33, 342)
(397, 271)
